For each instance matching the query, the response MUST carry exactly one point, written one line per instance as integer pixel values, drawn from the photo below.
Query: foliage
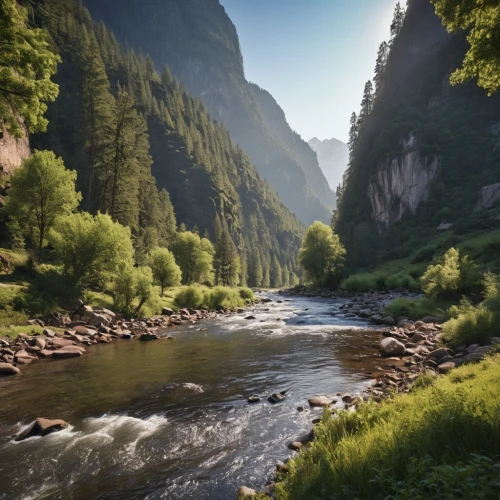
(321, 254)
(92, 249)
(381, 452)
(195, 256)
(379, 280)
(26, 66)
(411, 308)
(165, 270)
(223, 298)
(481, 20)
(191, 296)
(130, 284)
(42, 191)
(451, 277)
(246, 294)
(227, 263)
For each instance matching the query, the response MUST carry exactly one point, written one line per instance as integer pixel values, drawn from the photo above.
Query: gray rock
(447, 367)
(320, 401)
(391, 347)
(439, 353)
(244, 493)
(148, 337)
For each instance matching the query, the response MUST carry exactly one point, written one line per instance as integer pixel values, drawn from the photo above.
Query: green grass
(13, 331)
(438, 442)
(380, 280)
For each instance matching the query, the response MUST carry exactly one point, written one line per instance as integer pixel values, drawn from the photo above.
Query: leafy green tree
(92, 249)
(194, 256)
(42, 191)
(165, 270)
(26, 66)
(132, 283)
(322, 254)
(481, 20)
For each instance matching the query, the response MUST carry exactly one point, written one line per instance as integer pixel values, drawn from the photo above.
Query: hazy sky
(314, 56)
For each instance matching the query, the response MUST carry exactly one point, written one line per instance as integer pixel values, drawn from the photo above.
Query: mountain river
(169, 419)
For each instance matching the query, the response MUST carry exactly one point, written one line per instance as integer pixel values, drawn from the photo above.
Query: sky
(313, 56)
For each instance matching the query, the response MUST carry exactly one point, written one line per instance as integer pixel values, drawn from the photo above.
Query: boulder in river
(277, 397)
(166, 311)
(8, 369)
(320, 401)
(42, 427)
(67, 352)
(147, 337)
(253, 399)
(391, 347)
(250, 317)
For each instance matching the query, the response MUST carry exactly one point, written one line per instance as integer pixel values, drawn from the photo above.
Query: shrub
(411, 308)
(247, 294)
(191, 296)
(361, 282)
(227, 298)
(451, 277)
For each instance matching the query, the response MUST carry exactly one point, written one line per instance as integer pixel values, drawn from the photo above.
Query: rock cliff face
(12, 151)
(333, 157)
(400, 185)
(199, 42)
(489, 196)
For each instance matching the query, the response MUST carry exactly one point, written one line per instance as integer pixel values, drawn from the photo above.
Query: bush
(411, 308)
(191, 296)
(362, 282)
(451, 277)
(247, 294)
(227, 298)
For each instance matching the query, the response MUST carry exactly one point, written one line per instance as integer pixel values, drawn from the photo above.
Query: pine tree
(397, 22)
(367, 102)
(382, 57)
(353, 135)
(275, 272)
(168, 224)
(226, 255)
(98, 105)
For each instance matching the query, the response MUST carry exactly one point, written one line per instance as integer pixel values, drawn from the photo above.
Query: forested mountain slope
(200, 44)
(426, 153)
(130, 132)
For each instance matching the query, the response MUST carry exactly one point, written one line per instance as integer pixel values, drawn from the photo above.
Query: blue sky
(314, 56)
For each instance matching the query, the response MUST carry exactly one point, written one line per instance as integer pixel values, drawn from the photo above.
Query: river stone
(244, 493)
(277, 397)
(42, 427)
(388, 320)
(320, 401)
(147, 337)
(447, 367)
(8, 369)
(295, 446)
(66, 353)
(126, 335)
(253, 399)
(391, 347)
(439, 353)
(57, 342)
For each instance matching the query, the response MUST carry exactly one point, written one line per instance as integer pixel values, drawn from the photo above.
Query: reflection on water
(169, 420)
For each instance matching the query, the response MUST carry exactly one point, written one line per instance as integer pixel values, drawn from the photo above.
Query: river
(169, 419)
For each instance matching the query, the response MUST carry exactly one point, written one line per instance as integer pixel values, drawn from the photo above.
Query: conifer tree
(353, 135)
(397, 22)
(98, 106)
(226, 255)
(168, 224)
(367, 102)
(382, 57)
(275, 272)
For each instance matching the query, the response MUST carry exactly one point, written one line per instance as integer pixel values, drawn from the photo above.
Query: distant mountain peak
(333, 156)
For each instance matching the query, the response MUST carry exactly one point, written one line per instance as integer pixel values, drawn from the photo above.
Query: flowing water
(169, 419)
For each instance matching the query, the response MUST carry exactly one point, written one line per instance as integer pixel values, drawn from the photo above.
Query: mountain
(198, 41)
(427, 156)
(168, 142)
(333, 157)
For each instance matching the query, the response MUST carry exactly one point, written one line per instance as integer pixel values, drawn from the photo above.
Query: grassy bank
(438, 442)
